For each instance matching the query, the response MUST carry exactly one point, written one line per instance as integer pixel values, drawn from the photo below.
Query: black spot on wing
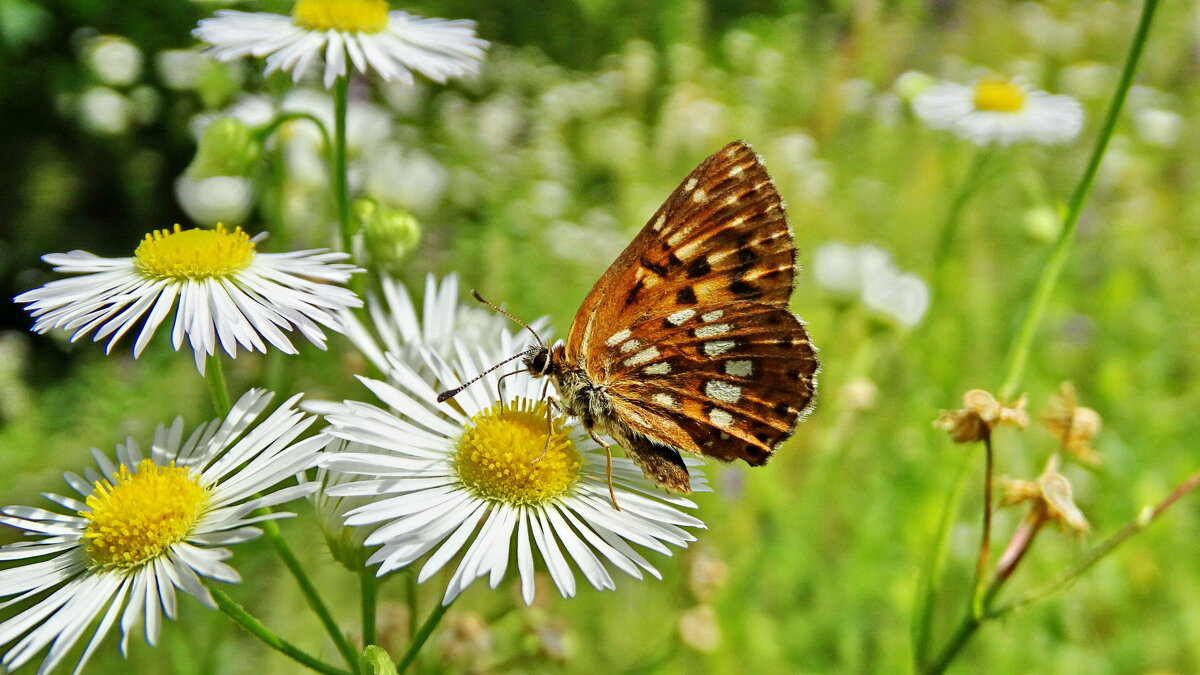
(631, 297)
(685, 296)
(660, 270)
(698, 268)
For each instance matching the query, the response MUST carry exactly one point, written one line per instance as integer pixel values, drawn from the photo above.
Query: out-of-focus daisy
(868, 274)
(1000, 111)
(393, 44)
(145, 526)
(481, 478)
(228, 293)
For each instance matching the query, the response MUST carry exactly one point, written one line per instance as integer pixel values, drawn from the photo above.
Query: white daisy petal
(92, 577)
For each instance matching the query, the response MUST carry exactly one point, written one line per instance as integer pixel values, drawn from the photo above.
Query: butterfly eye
(539, 363)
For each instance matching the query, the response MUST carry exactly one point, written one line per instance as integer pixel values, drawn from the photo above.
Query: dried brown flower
(981, 413)
(1051, 496)
(1072, 424)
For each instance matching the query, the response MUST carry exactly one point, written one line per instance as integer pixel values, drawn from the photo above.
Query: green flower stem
(284, 551)
(256, 628)
(931, 573)
(218, 390)
(950, 225)
(410, 593)
(985, 542)
(1102, 549)
(421, 637)
(341, 190)
(369, 592)
(283, 118)
(1058, 256)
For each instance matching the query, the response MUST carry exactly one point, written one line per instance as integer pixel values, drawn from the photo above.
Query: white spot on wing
(690, 185)
(731, 200)
(713, 315)
(737, 221)
(739, 368)
(660, 368)
(659, 222)
(736, 171)
(721, 418)
(665, 400)
(630, 346)
(709, 331)
(641, 357)
(723, 391)
(616, 338)
(682, 315)
(718, 347)
(700, 196)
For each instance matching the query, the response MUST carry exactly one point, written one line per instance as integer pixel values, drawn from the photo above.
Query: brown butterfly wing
(722, 235)
(719, 244)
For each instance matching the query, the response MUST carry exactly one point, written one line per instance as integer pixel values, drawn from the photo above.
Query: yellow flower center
(349, 16)
(997, 95)
(194, 254)
(140, 516)
(505, 455)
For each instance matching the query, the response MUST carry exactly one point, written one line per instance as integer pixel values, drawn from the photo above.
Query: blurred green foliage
(586, 115)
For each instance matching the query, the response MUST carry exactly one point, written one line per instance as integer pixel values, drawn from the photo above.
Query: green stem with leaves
(218, 390)
(256, 628)
(1058, 256)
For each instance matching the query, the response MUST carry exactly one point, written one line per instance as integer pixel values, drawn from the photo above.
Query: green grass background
(586, 115)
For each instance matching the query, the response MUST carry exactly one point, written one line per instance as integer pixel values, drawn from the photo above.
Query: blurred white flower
(1000, 111)
(220, 199)
(911, 83)
(844, 270)
(115, 61)
(1087, 79)
(902, 298)
(409, 179)
(146, 103)
(104, 111)
(179, 69)
(392, 44)
(367, 124)
(1158, 126)
(867, 273)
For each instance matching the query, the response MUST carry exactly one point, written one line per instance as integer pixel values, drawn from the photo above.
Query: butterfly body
(686, 344)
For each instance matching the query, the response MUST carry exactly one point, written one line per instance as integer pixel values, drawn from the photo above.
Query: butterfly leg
(552, 404)
(612, 494)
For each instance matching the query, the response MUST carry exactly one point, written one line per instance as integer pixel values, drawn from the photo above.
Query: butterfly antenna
(451, 393)
(475, 294)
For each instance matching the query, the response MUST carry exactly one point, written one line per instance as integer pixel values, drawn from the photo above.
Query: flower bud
(389, 233)
(227, 147)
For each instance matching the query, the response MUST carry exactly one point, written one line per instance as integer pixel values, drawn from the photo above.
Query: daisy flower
(393, 44)
(1000, 111)
(145, 526)
(480, 477)
(228, 293)
(399, 329)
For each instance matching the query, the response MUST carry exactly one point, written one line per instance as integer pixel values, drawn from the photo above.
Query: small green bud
(1042, 224)
(389, 233)
(227, 148)
(374, 660)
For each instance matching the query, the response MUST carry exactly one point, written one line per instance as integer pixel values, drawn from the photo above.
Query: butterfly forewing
(721, 235)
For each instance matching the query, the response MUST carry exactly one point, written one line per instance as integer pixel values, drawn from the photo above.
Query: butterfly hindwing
(730, 381)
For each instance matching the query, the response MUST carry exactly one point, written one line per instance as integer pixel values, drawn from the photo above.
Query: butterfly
(686, 343)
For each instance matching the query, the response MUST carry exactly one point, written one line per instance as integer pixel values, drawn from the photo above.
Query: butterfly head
(541, 360)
